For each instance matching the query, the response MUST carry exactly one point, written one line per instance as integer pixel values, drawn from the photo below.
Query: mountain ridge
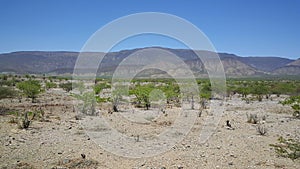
(61, 62)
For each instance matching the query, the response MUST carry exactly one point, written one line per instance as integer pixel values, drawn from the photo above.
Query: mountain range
(62, 62)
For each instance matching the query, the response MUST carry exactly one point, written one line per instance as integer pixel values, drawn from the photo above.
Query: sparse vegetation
(7, 92)
(50, 85)
(99, 87)
(77, 163)
(102, 100)
(30, 88)
(259, 89)
(66, 86)
(89, 103)
(288, 148)
(163, 98)
(243, 90)
(294, 102)
(79, 86)
(118, 92)
(171, 91)
(205, 94)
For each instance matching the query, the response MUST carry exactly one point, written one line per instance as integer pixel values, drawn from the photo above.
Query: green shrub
(142, 94)
(102, 100)
(7, 92)
(30, 88)
(259, 89)
(66, 86)
(50, 85)
(294, 102)
(288, 148)
(88, 106)
(99, 87)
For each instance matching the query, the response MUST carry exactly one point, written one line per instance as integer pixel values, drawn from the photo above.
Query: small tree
(171, 91)
(158, 98)
(259, 90)
(142, 94)
(30, 88)
(244, 91)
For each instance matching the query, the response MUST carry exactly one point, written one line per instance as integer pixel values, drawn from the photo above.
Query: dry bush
(165, 123)
(4, 110)
(21, 165)
(252, 118)
(13, 120)
(24, 122)
(78, 163)
(261, 129)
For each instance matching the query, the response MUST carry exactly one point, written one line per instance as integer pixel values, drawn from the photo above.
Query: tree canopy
(30, 88)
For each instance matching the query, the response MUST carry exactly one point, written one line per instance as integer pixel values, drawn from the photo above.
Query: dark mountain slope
(63, 62)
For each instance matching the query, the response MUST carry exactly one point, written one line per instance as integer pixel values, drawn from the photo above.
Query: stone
(65, 161)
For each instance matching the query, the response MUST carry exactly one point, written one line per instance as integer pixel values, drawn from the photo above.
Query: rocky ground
(62, 141)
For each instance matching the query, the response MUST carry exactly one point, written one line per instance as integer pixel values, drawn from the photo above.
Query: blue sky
(246, 28)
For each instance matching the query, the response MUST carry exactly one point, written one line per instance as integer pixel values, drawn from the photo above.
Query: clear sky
(242, 27)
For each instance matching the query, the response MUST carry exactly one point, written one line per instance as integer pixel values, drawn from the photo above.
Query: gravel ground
(61, 141)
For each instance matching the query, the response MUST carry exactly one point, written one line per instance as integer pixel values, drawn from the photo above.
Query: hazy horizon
(120, 50)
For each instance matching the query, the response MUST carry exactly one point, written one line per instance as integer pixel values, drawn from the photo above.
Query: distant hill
(292, 68)
(37, 61)
(287, 70)
(61, 62)
(294, 63)
(267, 64)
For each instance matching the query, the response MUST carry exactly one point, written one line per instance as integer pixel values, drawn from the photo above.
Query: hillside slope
(60, 62)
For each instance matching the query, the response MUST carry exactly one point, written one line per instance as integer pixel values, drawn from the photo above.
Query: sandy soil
(60, 140)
